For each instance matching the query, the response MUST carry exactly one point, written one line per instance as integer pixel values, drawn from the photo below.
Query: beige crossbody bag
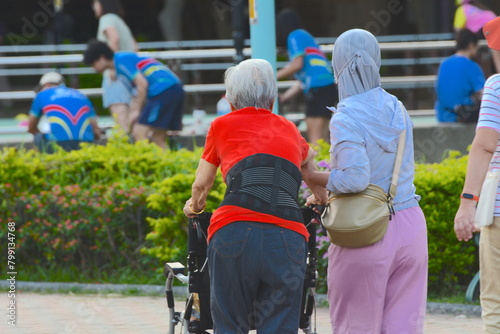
(360, 219)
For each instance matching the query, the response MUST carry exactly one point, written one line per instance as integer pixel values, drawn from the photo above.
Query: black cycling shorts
(318, 98)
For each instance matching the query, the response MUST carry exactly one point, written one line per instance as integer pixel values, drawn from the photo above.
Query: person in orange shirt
(257, 239)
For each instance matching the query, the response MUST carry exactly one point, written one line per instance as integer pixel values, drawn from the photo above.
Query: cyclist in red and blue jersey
(70, 114)
(159, 99)
(312, 70)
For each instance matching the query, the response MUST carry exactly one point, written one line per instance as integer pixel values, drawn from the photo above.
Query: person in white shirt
(114, 31)
(484, 156)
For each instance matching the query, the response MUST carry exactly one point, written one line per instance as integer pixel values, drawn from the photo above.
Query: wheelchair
(196, 317)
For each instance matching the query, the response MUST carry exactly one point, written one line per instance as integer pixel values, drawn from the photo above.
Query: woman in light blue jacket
(380, 288)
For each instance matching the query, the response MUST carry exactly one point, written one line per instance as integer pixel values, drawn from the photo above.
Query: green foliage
(118, 161)
(100, 226)
(169, 233)
(86, 208)
(118, 207)
(72, 273)
(451, 263)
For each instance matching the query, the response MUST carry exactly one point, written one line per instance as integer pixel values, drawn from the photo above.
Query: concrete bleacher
(432, 141)
(216, 55)
(33, 60)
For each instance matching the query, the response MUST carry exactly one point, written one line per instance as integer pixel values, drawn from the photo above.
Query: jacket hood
(378, 113)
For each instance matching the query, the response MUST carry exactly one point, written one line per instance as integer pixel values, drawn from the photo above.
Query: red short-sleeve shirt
(245, 132)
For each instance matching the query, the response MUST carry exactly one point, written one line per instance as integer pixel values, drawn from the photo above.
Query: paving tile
(109, 314)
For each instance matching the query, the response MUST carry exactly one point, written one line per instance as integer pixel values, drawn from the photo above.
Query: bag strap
(399, 156)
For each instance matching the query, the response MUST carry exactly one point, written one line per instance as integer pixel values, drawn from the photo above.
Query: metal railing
(219, 53)
(199, 44)
(214, 55)
(403, 82)
(422, 81)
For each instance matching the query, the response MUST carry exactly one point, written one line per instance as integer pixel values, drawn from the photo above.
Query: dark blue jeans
(256, 278)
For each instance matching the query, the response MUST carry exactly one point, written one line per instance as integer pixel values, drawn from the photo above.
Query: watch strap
(470, 196)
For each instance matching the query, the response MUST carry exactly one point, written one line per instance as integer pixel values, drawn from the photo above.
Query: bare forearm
(319, 192)
(477, 168)
(199, 196)
(205, 176)
(113, 38)
(316, 182)
(33, 125)
(314, 179)
(481, 152)
(291, 92)
(294, 66)
(33, 131)
(285, 72)
(482, 149)
(317, 178)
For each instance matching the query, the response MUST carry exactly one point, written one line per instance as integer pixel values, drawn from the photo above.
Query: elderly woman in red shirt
(257, 239)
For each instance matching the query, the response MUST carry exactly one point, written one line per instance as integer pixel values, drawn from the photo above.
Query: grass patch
(72, 274)
(457, 297)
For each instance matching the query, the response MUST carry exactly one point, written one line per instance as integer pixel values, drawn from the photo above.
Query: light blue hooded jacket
(366, 126)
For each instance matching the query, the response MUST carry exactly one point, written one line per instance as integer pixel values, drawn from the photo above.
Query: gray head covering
(356, 62)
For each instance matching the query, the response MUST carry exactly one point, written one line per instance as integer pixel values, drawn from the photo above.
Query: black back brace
(265, 183)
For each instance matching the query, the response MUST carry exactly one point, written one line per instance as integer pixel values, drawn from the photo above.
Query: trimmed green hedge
(88, 208)
(451, 263)
(120, 206)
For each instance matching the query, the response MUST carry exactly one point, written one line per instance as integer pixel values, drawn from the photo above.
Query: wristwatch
(470, 196)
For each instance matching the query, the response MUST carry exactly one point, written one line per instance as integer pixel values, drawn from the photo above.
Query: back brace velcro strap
(265, 183)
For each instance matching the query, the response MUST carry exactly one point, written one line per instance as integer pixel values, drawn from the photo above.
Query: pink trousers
(381, 288)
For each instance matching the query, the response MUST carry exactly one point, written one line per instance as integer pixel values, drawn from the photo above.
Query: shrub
(120, 206)
(86, 208)
(97, 227)
(451, 263)
(168, 239)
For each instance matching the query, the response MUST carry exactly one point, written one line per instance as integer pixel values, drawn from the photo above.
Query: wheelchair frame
(196, 317)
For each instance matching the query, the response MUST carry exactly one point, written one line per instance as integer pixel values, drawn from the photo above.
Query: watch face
(467, 196)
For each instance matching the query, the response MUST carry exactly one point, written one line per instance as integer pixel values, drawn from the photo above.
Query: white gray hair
(251, 83)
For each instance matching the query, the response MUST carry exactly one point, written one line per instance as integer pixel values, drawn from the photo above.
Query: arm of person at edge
(481, 152)
(114, 39)
(33, 125)
(141, 84)
(205, 176)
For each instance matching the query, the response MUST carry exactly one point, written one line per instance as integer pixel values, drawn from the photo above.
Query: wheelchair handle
(197, 226)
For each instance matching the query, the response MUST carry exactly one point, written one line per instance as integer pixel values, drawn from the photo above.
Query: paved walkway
(108, 314)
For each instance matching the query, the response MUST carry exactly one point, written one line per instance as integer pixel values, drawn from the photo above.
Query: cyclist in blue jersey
(159, 99)
(70, 114)
(312, 70)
